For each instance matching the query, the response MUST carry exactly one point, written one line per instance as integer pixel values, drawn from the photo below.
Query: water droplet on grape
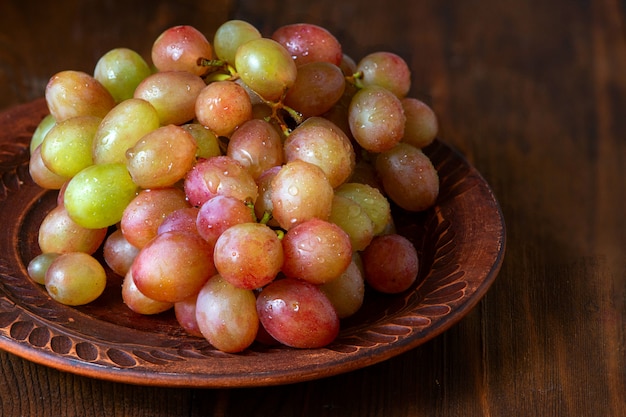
(293, 190)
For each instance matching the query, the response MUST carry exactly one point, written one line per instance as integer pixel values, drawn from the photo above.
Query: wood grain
(532, 92)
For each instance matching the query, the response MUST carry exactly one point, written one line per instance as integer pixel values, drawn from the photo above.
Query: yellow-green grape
(41, 131)
(75, 278)
(120, 71)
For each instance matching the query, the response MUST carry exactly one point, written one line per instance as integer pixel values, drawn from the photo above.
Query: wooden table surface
(532, 92)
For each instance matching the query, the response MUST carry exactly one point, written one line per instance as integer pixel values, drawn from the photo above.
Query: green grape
(207, 142)
(347, 292)
(97, 196)
(122, 128)
(66, 149)
(41, 131)
(75, 278)
(120, 71)
(266, 67)
(38, 266)
(350, 216)
(230, 35)
(58, 233)
(371, 200)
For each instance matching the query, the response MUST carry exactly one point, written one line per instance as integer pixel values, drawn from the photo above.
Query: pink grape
(137, 301)
(257, 145)
(307, 42)
(41, 174)
(421, 123)
(118, 253)
(318, 86)
(390, 264)
(222, 106)
(182, 219)
(316, 251)
(297, 314)
(248, 255)
(185, 313)
(385, 69)
(75, 278)
(179, 48)
(218, 214)
(58, 233)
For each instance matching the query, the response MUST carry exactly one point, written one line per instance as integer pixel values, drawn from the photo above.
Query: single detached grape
(75, 278)
(390, 263)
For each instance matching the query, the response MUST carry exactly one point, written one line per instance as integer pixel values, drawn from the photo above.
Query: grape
(318, 86)
(266, 67)
(347, 292)
(409, 177)
(118, 253)
(350, 216)
(226, 315)
(220, 175)
(320, 142)
(222, 106)
(97, 196)
(207, 143)
(75, 278)
(38, 266)
(230, 35)
(120, 71)
(347, 65)
(145, 213)
(297, 314)
(122, 128)
(66, 149)
(58, 233)
(72, 93)
(139, 303)
(376, 118)
(307, 42)
(257, 145)
(41, 131)
(248, 255)
(185, 313)
(218, 214)
(41, 174)
(300, 191)
(179, 48)
(263, 205)
(172, 93)
(183, 219)
(421, 123)
(385, 69)
(173, 266)
(316, 251)
(162, 157)
(371, 200)
(390, 263)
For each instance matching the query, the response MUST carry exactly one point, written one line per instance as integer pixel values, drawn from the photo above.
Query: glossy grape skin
(387, 70)
(350, 216)
(390, 264)
(183, 220)
(162, 157)
(307, 43)
(347, 292)
(371, 200)
(66, 149)
(220, 175)
(178, 48)
(226, 315)
(207, 142)
(248, 255)
(263, 204)
(409, 177)
(41, 174)
(218, 214)
(266, 67)
(421, 123)
(145, 213)
(41, 131)
(316, 251)
(222, 106)
(230, 35)
(173, 266)
(297, 314)
(137, 301)
(58, 233)
(118, 253)
(257, 145)
(300, 191)
(122, 128)
(120, 71)
(185, 313)
(72, 93)
(318, 86)
(38, 266)
(321, 143)
(376, 118)
(75, 278)
(173, 94)
(97, 196)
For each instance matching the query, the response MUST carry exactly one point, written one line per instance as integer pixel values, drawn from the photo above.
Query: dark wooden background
(533, 92)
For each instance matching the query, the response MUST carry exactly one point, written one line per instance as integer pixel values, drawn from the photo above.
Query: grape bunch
(244, 183)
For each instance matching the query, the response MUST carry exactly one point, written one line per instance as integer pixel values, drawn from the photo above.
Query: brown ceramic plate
(461, 243)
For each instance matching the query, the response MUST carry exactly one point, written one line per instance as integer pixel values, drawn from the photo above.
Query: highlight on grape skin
(245, 184)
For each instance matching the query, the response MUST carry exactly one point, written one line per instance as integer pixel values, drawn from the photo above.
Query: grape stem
(356, 79)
